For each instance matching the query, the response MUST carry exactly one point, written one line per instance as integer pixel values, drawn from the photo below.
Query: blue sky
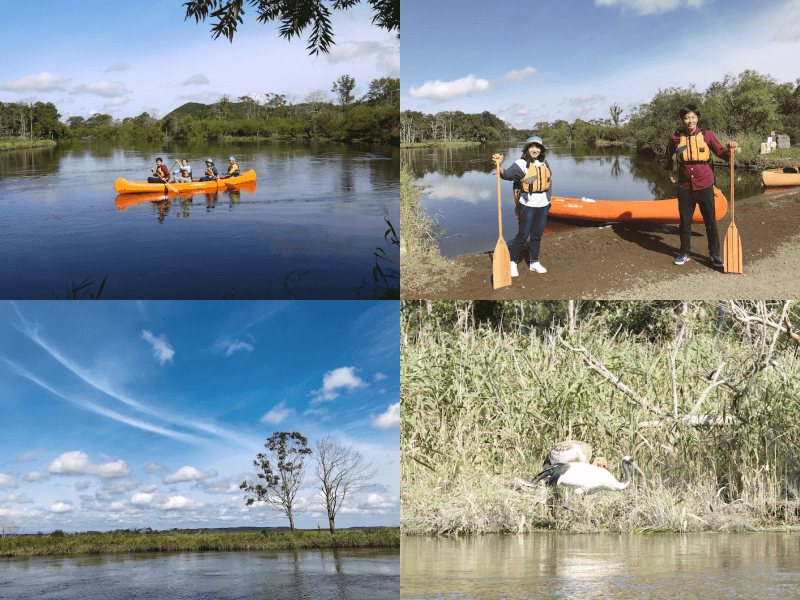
(124, 58)
(150, 414)
(540, 61)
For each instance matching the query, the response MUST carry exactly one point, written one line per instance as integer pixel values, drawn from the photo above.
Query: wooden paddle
(501, 264)
(733, 245)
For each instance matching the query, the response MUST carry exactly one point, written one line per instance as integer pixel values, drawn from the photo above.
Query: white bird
(586, 479)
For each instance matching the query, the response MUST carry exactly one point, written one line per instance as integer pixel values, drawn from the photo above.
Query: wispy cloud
(42, 82)
(104, 88)
(120, 66)
(442, 91)
(188, 473)
(333, 382)
(163, 351)
(155, 468)
(229, 345)
(389, 419)
(26, 457)
(197, 79)
(650, 7)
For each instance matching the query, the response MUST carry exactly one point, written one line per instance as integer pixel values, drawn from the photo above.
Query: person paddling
(692, 147)
(161, 173)
(233, 168)
(185, 173)
(532, 177)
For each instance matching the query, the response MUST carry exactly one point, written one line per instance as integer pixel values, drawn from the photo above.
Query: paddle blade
(501, 265)
(733, 251)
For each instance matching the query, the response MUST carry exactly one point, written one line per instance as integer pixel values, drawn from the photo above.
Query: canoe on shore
(655, 211)
(778, 177)
(123, 186)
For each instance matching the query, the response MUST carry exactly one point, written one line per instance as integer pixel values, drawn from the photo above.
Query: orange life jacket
(537, 179)
(693, 149)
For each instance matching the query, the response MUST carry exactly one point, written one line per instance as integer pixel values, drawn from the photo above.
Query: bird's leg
(567, 502)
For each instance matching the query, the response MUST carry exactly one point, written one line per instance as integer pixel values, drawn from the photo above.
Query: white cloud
(155, 468)
(582, 104)
(104, 88)
(180, 503)
(391, 418)
(82, 485)
(789, 25)
(206, 97)
(122, 487)
(379, 376)
(518, 75)
(649, 7)
(387, 56)
(78, 463)
(26, 457)
(6, 481)
(334, 381)
(43, 82)
(35, 476)
(116, 102)
(163, 351)
(277, 413)
(142, 499)
(62, 507)
(230, 345)
(188, 473)
(197, 79)
(442, 91)
(13, 498)
(118, 67)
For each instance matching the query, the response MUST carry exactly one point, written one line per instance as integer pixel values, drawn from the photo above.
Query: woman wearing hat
(531, 176)
(233, 168)
(211, 172)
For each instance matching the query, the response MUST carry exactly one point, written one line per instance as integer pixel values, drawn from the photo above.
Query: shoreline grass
(19, 144)
(58, 543)
(422, 263)
(483, 403)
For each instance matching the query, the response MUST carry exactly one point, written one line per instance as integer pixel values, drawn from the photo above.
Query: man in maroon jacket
(692, 147)
(161, 173)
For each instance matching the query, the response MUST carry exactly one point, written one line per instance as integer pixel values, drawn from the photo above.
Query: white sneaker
(514, 272)
(536, 266)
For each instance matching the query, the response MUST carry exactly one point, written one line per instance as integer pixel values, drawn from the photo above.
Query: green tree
(343, 88)
(294, 16)
(281, 478)
(385, 90)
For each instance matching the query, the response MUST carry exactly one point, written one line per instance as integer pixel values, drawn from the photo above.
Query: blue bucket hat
(533, 140)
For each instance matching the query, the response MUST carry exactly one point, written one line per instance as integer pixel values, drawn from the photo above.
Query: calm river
(308, 228)
(462, 187)
(336, 574)
(550, 565)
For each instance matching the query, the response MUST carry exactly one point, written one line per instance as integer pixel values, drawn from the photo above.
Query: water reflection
(602, 566)
(461, 187)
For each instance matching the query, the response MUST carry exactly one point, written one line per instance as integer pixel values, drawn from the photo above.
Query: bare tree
(341, 471)
(8, 528)
(279, 488)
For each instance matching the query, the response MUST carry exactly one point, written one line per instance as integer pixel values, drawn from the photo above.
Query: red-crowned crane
(585, 479)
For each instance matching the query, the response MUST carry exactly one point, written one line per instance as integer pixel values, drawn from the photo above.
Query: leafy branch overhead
(294, 17)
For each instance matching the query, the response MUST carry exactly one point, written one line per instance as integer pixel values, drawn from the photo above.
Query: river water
(364, 574)
(551, 565)
(308, 228)
(461, 187)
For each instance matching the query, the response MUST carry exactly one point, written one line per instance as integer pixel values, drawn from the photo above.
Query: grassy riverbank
(20, 144)
(422, 264)
(129, 541)
(715, 430)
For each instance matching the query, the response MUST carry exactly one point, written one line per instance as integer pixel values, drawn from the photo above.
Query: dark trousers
(154, 180)
(687, 200)
(531, 223)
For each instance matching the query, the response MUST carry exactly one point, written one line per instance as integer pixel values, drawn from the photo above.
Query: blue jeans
(687, 199)
(531, 223)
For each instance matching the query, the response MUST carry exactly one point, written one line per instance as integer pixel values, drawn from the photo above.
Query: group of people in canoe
(691, 146)
(162, 174)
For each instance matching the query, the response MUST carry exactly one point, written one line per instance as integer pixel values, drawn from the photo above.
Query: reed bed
(482, 404)
(102, 543)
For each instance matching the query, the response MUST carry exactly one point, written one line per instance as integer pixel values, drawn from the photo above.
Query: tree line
(750, 104)
(372, 117)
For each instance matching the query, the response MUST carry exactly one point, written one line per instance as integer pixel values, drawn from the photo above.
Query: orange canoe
(656, 211)
(123, 186)
(778, 177)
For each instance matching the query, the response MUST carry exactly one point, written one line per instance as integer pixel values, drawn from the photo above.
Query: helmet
(231, 158)
(533, 140)
(208, 160)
